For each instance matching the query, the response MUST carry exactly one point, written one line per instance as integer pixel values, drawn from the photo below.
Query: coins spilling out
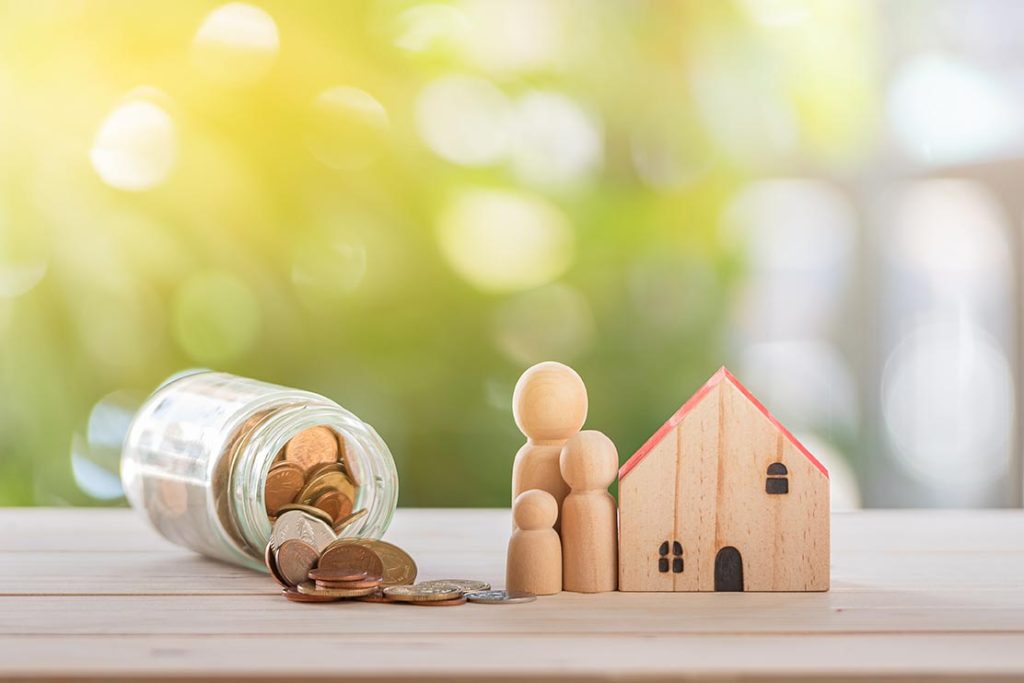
(313, 474)
(312, 564)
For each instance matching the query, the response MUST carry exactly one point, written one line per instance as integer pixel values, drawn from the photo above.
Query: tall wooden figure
(549, 405)
(589, 464)
(534, 562)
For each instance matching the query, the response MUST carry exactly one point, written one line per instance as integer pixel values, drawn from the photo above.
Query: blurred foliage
(289, 206)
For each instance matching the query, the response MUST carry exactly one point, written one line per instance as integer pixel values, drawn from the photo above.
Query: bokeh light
(505, 241)
(557, 142)
(947, 400)
(236, 43)
(554, 321)
(216, 317)
(945, 111)
(465, 120)
(348, 128)
(136, 146)
(509, 37)
(431, 26)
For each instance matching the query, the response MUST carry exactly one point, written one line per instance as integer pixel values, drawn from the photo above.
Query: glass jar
(196, 457)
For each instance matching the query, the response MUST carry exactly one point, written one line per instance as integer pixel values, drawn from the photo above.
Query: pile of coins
(312, 564)
(313, 473)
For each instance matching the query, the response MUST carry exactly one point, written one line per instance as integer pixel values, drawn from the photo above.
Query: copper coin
(284, 481)
(296, 596)
(311, 447)
(349, 519)
(357, 585)
(399, 567)
(271, 561)
(310, 588)
(350, 558)
(326, 574)
(440, 603)
(334, 503)
(294, 560)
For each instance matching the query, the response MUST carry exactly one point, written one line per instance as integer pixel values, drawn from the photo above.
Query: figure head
(550, 402)
(589, 461)
(534, 509)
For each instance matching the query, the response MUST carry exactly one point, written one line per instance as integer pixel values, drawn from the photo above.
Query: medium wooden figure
(549, 405)
(589, 463)
(534, 562)
(722, 497)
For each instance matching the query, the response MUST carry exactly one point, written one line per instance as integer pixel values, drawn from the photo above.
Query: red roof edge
(678, 416)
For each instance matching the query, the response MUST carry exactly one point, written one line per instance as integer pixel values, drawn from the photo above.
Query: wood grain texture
(96, 595)
(703, 486)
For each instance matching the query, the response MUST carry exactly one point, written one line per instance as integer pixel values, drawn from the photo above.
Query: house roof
(677, 417)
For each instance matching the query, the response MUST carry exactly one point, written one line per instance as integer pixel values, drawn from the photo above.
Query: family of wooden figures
(721, 498)
(565, 530)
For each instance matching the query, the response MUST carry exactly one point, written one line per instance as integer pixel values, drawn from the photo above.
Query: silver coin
(464, 585)
(297, 525)
(500, 597)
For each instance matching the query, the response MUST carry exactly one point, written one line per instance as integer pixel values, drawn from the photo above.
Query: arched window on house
(778, 479)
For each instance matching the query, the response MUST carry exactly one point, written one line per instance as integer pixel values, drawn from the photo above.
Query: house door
(728, 570)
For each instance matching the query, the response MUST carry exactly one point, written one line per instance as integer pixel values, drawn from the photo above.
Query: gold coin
(310, 588)
(464, 585)
(311, 447)
(296, 596)
(284, 481)
(349, 519)
(308, 509)
(461, 600)
(324, 482)
(294, 560)
(399, 567)
(420, 592)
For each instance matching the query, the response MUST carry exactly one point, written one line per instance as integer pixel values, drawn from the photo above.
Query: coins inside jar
(313, 471)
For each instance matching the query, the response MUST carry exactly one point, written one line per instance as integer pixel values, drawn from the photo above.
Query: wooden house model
(722, 497)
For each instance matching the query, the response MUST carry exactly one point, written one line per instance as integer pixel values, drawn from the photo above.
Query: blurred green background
(402, 205)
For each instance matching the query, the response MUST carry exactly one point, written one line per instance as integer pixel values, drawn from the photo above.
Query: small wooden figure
(723, 498)
(549, 405)
(589, 464)
(534, 562)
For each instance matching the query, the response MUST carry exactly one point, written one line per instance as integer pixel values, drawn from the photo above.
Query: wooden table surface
(916, 595)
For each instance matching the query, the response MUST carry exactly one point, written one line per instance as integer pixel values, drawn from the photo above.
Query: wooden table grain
(916, 595)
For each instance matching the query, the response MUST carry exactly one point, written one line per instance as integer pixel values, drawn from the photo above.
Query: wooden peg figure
(549, 405)
(534, 562)
(589, 463)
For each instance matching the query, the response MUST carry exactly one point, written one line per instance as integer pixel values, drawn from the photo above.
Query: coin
(351, 558)
(284, 481)
(334, 503)
(294, 560)
(324, 482)
(346, 459)
(296, 596)
(310, 588)
(464, 585)
(311, 447)
(461, 600)
(365, 583)
(399, 567)
(500, 597)
(308, 509)
(325, 574)
(296, 524)
(349, 519)
(377, 596)
(419, 592)
(271, 562)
